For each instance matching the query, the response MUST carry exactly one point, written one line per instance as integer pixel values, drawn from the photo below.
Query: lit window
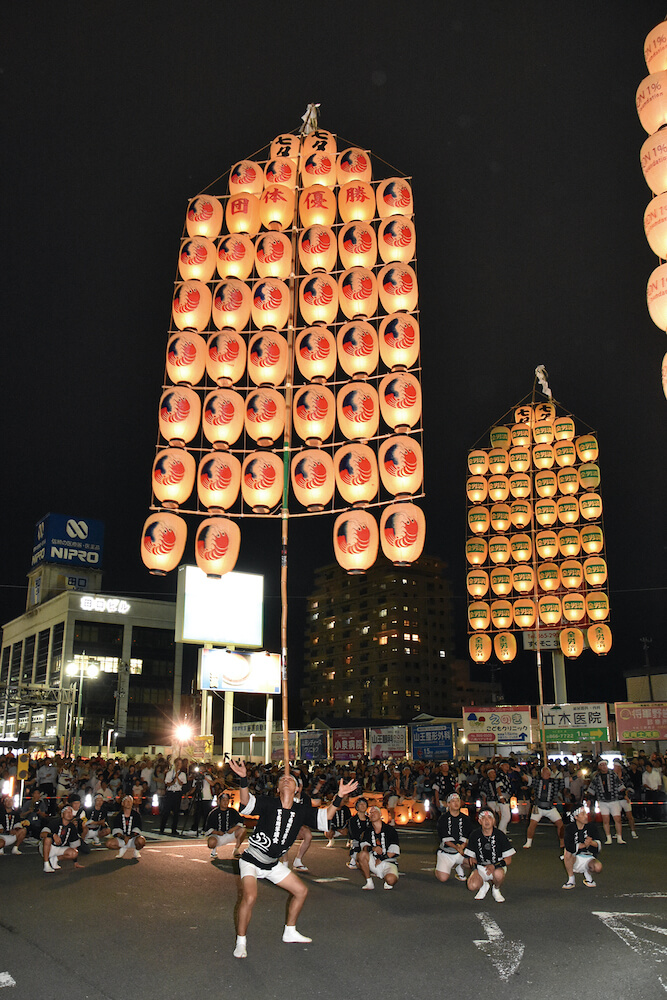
(415, 638)
(331, 624)
(442, 654)
(382, 612)
(383, 640)
(405, 607)
(408, 694)
(331, 676)
(407, 650)
(365, 630)
(406, 636)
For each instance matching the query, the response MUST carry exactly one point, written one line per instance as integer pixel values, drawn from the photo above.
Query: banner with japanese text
(646, 720)
(432, 742)
(313, 745)
(389, 741)
(571, 723)
(348, 744)
(497, 724)
(277, 748)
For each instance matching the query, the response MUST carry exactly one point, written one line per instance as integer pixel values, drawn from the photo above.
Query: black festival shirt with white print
(575, 838)
(130, 825)
(358, 829)
(491, 850)
(68, 833)
(386, 839)
(276, 830)
(8, 820)
(222, 820)
(453, 830)
(546, 790)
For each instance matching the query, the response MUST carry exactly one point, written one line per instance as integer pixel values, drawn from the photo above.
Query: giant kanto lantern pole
(293, 379)
(535, 545)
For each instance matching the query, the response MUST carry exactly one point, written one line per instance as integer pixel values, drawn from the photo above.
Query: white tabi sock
(292, 936)
(241, 951)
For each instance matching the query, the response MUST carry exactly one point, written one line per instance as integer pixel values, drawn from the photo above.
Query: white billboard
(225, 611)
(256, 673)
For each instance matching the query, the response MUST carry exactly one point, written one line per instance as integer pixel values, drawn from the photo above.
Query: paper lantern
(521, 513)
(402, 533)
(543, 432)
(519, 459)
(504, 646)
(523, 579)
(281, 170)
(356, 472)
(520, 436)
(357, 245)
(179, 414)
(173, 476)
(500, 580)
(317, 206)
(401, 465)
(597, 606)
(498, 461)
(394, 197)
(397, 288)
(357, 292)
(548, 576)
(478, 520)
(318, 168)
(191, 306)
(313, 481)
(273, 255)
(242, 214)
(356, 202)
(546, 544)
(232, 302)
(524, 613)
(400, 400)
(546, 484)
(480, 647)
(564, 453)
(276, 207)
(476, 551)
(319, 141)
(218, 480)
(267, 358)
(499, 487)
(543, 456)
(652, 101)
(595, 571)
(358, 411)
(246, 175)
(163, 542)
(571, 642)
(589, 476)
(563, 429)
(545, 512)
(285, 145)
(599, 638)
(571, 574)
(574, 607)
(270, 304)
(396, 239)
(655, 225)
(353, 164)
(520, 485)
(357, 344)
(479, 615)
(204, 217)
(549, 609)
(501, 614)
(567, 509)
(587, 447)
(197, 259)
(656, 296)
(499, 549)
(477, 582)
(317, 249)
(315, 353)
(478, 462)
(499, 437)
(653, 159)
(476, 489)
(318, 299)
(262, 481)
(356, 540)
(592, 539)
(222, 418)
(264, 416)
(499, 517)
(226, 357)
(186, 358)
(524, 414)
(568, 480)
(236, 255)
(590, 505)
(569, 542)
(314, 414)
(544, 413)
(217, 544)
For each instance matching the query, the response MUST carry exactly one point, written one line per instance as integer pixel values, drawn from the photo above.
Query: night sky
(517, 123)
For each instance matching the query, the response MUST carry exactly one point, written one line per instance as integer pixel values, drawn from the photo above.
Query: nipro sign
(72, 541)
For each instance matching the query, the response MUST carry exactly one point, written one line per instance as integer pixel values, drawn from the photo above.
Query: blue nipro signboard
(73, 541)
(432, 742)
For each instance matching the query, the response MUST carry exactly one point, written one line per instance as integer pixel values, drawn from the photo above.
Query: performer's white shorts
(481, 870)
(57, 852)
(382, 868)
(121, 838)
(581, 863)
(445, 862)
(610, 808)
(552, 814)
(9, 839)
(223, 838)
(277, 874)
(626, 807)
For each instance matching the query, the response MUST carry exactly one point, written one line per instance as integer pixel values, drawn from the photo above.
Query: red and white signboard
(389, 741)
(348, 744)
(497, 724)
(645, 720)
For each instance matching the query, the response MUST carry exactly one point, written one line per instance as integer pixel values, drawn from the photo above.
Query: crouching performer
(582, 845)
(278, 825)
(126, 832)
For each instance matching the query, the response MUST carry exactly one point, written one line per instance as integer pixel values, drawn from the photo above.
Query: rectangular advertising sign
(432, 742)
(646, 720)
(313, 745)
(75, 541)
(571, 723)
(254, 673)
(389, 741)
(348, 744)
(497, 724)
(277, 747)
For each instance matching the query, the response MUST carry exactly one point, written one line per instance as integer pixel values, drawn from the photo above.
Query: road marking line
(505, 955)
(6, 980)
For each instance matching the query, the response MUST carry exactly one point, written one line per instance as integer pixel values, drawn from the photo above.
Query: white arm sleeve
(248, 810)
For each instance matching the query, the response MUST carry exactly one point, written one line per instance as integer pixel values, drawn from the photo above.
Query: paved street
(163, 928)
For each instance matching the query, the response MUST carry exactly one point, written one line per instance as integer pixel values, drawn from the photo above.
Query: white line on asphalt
(505, 955)
(6, 980)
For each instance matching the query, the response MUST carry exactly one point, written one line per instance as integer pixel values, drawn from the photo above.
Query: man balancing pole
(278, 825)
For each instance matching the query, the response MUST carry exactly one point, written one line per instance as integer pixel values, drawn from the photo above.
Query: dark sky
(517, 122)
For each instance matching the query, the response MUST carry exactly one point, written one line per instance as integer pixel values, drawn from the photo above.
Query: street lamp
(84, 668)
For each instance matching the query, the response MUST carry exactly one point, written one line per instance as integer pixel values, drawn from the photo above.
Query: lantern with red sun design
(281, 170)
(356, 471)
(270, 303)
(319, 167)
(357, 245)
(262, 481)
(273, 255)
(357, 344)
(179, 414)
(218, 480)
(357, 292)
(356, 540)
(222, 417)
(400, 400)
(217, 544)
(317, 249)
(246, 175)
(186, 358)
(396, 239)
(397, 288)
(314, 413)
(315, 353)
(318, 299)
(401, 465)
(204, 217)
(358, 411)
(394, 197)
(226, 356)
(191, 306)
(197, 259)
(267, 358)
(231, 304)
(402, 533)
(235, 256)
(313, 478)
(163, 542)
(353, 164)
(264, 416)
(173, 476)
